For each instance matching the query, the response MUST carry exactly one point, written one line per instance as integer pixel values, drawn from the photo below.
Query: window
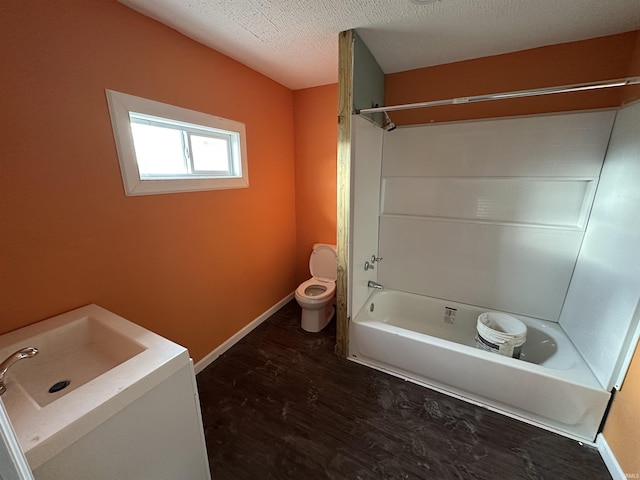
(163, 148)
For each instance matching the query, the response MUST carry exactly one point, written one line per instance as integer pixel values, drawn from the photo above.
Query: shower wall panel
(570, 144)
(500, 267)
(490, 213)
(602, 310)
(538, 201)
(366, 144)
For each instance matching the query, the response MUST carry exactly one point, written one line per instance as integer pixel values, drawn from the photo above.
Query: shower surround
(500, 215)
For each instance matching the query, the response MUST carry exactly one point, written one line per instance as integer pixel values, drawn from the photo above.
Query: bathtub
(432, 342)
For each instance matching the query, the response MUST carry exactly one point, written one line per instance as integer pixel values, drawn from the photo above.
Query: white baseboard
(609, 459)
(208, 359)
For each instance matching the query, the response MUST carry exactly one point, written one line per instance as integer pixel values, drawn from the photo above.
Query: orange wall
(632, 94)
(316, 138)
(596, 59)
(194, 267)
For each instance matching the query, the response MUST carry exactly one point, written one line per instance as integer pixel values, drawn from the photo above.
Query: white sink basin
(75, 352)
(108, 361)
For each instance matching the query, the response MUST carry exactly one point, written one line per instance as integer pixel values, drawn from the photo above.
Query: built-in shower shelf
(484, 222)
(527, 201)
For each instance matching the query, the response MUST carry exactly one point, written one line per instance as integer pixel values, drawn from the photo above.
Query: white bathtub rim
(567, 375)
(453, 303)
(576, 374)
(452, 392)
(545, 325)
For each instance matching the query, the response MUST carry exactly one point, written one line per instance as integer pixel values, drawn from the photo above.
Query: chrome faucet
(373, 284)
(368, 265)
(27, 352)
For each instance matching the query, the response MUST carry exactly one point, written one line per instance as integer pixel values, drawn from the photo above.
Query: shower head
(389, 125)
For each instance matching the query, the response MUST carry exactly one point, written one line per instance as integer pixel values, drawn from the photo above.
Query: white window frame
(120, 107)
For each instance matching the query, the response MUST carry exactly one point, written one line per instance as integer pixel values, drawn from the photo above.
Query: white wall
(366, 145)
(600, 314)
(490, 213)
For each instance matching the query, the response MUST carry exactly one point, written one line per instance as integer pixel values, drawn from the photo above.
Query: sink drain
(56, 387)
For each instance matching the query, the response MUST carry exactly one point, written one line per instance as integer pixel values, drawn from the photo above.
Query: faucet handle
(375, 259)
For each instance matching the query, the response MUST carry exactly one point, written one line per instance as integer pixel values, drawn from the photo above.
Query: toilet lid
(323, 264)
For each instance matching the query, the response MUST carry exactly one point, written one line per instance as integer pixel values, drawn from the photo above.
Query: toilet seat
(315, 299)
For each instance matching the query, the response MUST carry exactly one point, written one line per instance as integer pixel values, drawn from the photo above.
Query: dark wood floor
(281, 405)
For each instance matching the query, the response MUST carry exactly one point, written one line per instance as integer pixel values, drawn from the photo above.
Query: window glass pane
(210, 154)
(159, 150)
(156, 152)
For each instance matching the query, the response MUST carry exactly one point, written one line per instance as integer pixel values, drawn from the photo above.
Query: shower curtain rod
(578, 87)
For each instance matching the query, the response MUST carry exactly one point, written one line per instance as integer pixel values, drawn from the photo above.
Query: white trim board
(609, 458)
(235, 338)
(12, 460)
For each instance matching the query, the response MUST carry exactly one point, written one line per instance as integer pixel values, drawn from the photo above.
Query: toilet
(316, 295)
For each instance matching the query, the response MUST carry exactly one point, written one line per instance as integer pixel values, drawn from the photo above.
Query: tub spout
(11, 359)
(373, 284)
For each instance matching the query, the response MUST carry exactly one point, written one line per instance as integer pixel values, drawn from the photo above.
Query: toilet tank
(323, 263)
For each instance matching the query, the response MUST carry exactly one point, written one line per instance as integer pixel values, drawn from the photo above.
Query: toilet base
(316, 320)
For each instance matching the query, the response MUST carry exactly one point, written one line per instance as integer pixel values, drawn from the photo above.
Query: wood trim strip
(345, 107)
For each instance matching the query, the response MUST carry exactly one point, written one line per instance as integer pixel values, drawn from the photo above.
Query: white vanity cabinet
(130, 410)
(159, 436)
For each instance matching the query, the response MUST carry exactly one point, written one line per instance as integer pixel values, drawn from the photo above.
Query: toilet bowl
(316, 295)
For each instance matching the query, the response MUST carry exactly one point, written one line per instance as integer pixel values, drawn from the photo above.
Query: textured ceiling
(295, 41)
